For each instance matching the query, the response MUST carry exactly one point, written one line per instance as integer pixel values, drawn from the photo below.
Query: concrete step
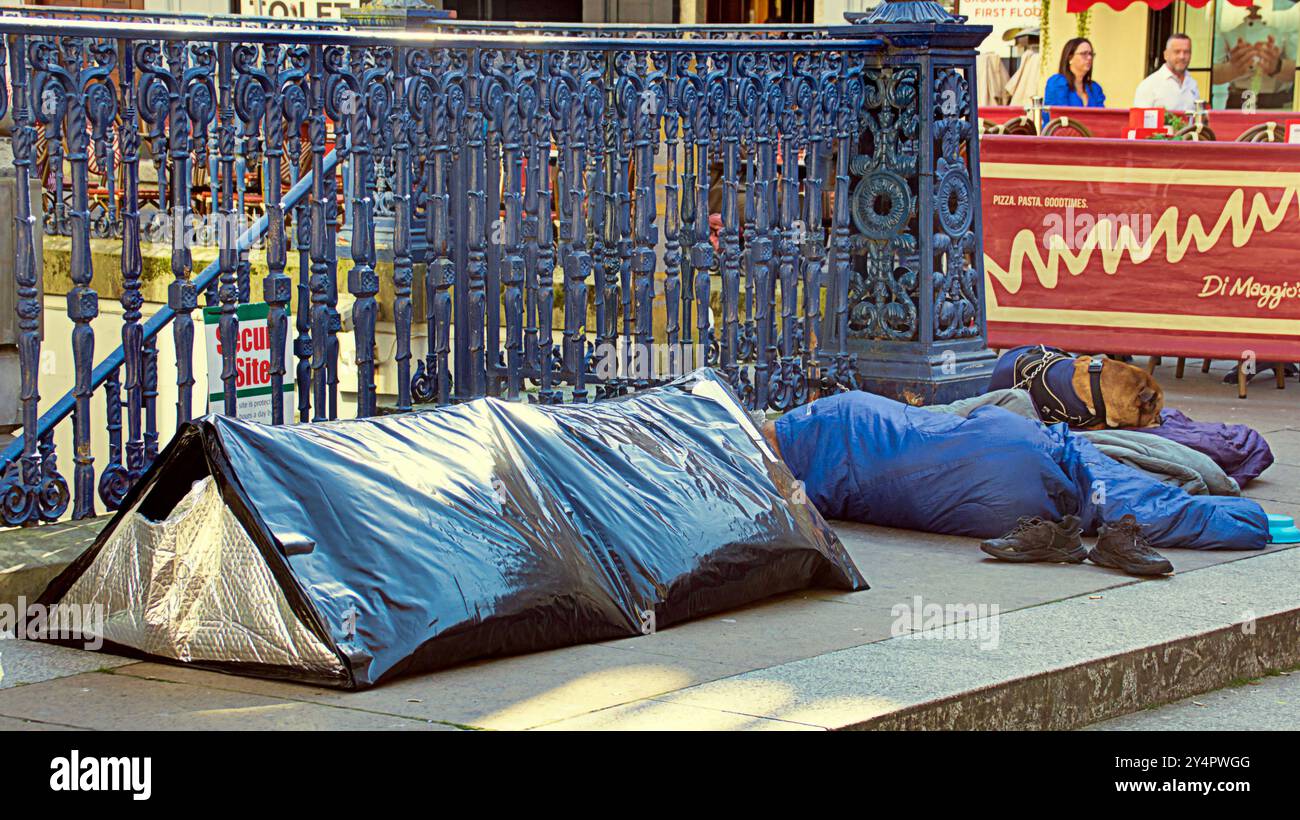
(31, 557)
(1059, 665)
(1070, 646)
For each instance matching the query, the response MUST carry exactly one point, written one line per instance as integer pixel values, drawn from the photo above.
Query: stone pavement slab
(659, 716)
(766, 633)
(509, 693)
(592, 686)
(1285, 444)
(1279, 483)
(535, 689)
(1064, 664)
(25, 662)
(15, 725)
(1271, 703)
(99, 700)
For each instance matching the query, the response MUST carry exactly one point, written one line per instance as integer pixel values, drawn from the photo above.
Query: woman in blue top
(1072, 84)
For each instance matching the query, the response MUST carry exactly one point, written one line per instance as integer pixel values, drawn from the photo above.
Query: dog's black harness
(1094, 381)
(1058, 402)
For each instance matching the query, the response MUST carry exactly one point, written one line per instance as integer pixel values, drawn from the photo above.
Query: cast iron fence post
(912, 315)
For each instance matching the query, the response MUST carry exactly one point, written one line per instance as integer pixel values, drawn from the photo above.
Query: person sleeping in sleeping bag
(1029, 487)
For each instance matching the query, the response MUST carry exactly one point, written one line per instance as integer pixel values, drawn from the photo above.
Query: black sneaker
(1035, 539)
(1122, 546)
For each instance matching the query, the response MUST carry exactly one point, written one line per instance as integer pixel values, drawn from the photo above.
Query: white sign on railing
(252, 365)
(300, 9)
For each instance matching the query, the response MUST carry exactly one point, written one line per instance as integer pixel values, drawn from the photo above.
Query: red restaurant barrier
(1113, 122)
(1133, 246)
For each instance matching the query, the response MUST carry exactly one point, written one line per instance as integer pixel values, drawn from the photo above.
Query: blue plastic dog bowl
(1282, 530)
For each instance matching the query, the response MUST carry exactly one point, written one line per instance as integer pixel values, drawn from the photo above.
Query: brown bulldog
(1085, 392)
(1131, 395)
(769, 434)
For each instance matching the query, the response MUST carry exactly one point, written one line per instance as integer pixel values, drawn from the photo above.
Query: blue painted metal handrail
(635, 29)
(379, 38)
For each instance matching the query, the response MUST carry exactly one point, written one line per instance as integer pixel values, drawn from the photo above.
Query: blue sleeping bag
(863, 457)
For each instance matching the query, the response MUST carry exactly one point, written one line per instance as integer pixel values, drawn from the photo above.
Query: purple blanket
(1240, 450)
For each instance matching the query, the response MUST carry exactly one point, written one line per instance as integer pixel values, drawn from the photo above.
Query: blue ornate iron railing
(770, 201)
(105, 218)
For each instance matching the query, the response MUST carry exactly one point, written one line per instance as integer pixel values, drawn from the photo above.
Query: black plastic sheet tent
(345, 553)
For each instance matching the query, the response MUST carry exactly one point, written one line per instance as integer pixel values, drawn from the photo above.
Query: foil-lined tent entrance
(346, 553)
(193, 587)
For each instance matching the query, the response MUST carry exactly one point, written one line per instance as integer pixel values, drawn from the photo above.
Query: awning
(1076, 6)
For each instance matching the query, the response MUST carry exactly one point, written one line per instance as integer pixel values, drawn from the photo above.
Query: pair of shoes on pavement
(1120, 545)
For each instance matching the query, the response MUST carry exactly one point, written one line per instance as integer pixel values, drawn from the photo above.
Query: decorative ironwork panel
(958, 299)
(884, 285)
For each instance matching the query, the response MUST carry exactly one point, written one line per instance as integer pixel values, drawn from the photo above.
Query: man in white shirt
(1170, 87)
